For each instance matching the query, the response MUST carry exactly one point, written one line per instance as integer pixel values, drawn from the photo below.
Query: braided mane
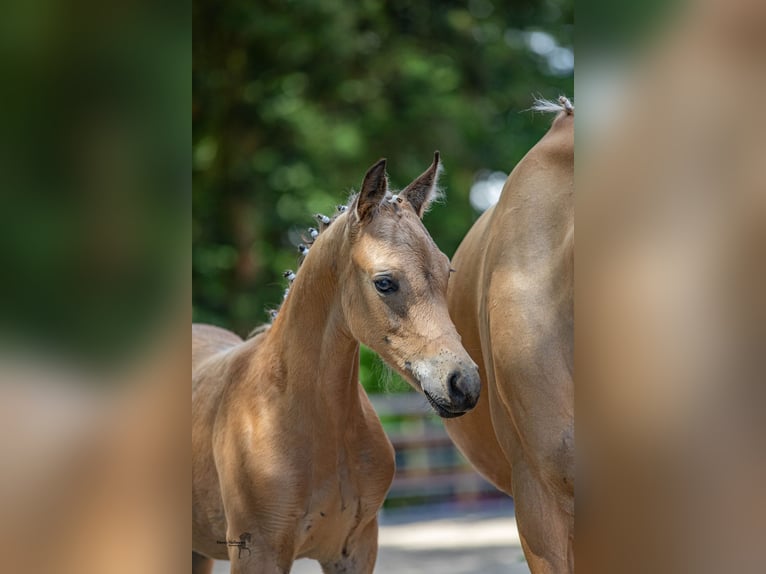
(323, 222)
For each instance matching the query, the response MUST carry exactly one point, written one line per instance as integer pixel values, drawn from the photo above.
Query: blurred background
(94, 172)
(95, 298)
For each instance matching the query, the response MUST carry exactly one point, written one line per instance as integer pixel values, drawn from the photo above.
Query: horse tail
(563, 104)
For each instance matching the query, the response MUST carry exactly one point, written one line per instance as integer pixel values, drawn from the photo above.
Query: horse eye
(385, 285)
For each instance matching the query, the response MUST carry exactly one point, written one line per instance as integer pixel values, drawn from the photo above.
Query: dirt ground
(447, 541)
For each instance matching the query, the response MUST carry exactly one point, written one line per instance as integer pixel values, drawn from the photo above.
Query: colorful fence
(429, 469)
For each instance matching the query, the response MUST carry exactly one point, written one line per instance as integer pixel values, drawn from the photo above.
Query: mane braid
(313, 233)
(391, 201)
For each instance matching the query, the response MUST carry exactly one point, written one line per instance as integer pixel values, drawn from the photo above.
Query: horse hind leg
(201, 564)
(545, 525)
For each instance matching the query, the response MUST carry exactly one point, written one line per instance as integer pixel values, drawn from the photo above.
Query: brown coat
(289, 458)
(512, 302)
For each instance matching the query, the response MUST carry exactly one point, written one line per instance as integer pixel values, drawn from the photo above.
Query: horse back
(208, 340)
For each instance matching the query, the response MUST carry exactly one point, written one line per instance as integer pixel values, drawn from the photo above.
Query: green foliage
(94, 211)
(292, 101)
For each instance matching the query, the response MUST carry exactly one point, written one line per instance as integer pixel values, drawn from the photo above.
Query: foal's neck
(320, 357)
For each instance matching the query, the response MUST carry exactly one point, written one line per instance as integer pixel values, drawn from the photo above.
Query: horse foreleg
(258, 562)
(359, 555)
(546, 525)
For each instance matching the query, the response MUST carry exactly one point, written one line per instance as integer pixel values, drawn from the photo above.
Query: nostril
(453, 384)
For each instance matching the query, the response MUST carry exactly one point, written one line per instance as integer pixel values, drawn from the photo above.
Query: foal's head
(394, 291)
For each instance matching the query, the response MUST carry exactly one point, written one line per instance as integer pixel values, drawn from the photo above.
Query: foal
(285, 443)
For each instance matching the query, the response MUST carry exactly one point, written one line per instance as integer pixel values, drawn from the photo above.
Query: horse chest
(355, 480)
(345, 495)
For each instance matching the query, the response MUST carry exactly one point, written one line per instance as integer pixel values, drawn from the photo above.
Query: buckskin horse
(285, 443)
(512, 302)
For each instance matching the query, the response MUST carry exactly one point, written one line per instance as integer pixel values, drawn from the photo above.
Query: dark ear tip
(437, 156)
(377, 169)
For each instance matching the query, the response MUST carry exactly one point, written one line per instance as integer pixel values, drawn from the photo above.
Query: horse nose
(464, 388)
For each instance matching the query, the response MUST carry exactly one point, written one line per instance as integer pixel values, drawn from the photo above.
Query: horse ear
(421, 192)
(374, 189)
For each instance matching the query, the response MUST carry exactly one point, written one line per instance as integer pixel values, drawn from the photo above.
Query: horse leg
(359, 555)
(260, 555)
(264, 543)
(546, 527)
(201, 564)
(258, 562)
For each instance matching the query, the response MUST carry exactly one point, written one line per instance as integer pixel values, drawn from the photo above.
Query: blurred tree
(293, 100)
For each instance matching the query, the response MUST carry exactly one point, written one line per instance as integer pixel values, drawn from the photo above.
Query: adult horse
(285, 443)
(512, 302)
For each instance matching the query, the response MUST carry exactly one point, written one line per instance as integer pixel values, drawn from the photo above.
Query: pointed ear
(421, 192)
(373, 192)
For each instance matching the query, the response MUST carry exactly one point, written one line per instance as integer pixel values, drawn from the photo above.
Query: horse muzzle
(451, 390)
